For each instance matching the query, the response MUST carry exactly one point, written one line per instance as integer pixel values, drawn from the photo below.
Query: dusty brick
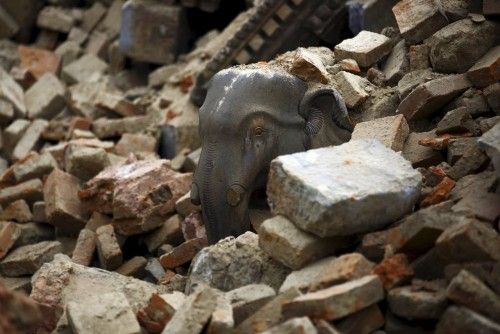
(117, 103)
(31, 191)
(109, 128)
(18, 211)
(418, 19)
(135, 267)
(85, 162)
(87, 68)
(135, 143)
(62, 205)
(30, 139)
(419, 57)
(354, 89)
(9, 233)
(108, 248)
(467, 290)
(97, 220)
(411, 303)
(340, 270)
(391, 131)
(46, 98)
(468, 240)
(56, 19)
(246, 300)
(303, 278)
(439, 193)
(159, 310)
(296, 325)
(85, 247)
(27, 259)
(12, 92)
(482, 205)
(397, 63)
(486, 71)
(461, 319)
(36, 166)
(419, 155)
(337, 301)
(367, 48)
(183, 253)
(393, 271)
(38, 61)
(295, 248)
(364, 321)
(169, 233)
(429, 97)
(185, 207)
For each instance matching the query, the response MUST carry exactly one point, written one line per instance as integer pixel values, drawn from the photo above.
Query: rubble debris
(289, 202)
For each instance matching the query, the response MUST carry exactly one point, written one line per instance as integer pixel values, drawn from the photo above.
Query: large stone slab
(343, 190)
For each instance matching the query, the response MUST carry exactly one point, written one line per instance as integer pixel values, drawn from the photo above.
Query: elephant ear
(327, 120)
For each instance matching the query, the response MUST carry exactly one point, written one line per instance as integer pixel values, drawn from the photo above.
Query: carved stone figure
(251, 115)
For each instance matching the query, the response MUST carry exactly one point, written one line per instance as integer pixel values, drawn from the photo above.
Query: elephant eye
(258, 131)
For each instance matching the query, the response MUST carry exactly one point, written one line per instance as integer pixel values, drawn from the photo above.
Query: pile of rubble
(395, 231)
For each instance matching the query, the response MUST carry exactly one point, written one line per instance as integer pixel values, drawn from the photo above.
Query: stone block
(109, 128)
(145, 25)
(46, 98)
(303, 278)
(286, 243)
(26, 260)
(338, 301)
(62, 205)
(366, 48)
(334, 205)
(108, 248)
(391, 131)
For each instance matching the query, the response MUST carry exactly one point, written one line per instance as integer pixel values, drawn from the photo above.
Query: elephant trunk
(224, 204)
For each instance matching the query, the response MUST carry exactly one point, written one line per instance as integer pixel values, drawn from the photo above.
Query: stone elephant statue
(251, 115)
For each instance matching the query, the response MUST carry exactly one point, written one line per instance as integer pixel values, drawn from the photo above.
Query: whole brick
(62, 205)
(85, 247)
(146, 25)
(27, 259)
(46, 98)
(286, 243)
(461, 319)
(418, 19)
(336, 185)
(391, 131)
(457, 47)
(338, 301)
(468, 290)
(108, 248)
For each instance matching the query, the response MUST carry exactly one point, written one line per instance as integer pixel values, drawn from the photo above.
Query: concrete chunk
(336, 186)
(366, 48)
(419, 155)
(338, 301)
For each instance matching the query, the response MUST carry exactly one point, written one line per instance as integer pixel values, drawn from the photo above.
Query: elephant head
(251, 115)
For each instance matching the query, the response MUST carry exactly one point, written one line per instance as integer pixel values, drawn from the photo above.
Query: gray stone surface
(103, 313)
(342, 190)
(233, 263)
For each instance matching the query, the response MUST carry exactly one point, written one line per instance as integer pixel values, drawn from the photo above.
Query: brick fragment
(26, 260)
(393, 271)
(46, 98)
(9, 233)
(461, 319)
(391, 131)
(31, 191)
(183, 253)
(486, 71)
(85, 247)
(367, 48)
(18, 211)
(38, 61)
(30, 139)
(108, 248)
(134, 267)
